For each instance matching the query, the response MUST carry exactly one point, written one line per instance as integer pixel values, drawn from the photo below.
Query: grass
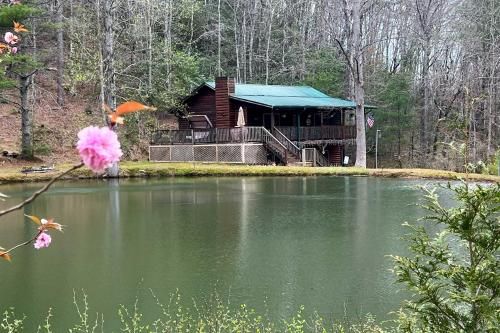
(150, 169)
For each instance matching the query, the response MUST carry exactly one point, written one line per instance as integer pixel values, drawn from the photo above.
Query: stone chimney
(223, 87)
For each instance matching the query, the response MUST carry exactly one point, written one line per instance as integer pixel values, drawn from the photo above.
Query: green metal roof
(276, 96)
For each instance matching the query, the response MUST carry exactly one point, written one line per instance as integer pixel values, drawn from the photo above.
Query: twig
(40, 191)
(346, 56)
(22, 244)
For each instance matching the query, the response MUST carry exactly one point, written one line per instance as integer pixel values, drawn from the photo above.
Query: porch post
(272, 119)
(298, 126)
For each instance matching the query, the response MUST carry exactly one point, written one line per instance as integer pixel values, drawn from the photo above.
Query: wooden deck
(289, 145)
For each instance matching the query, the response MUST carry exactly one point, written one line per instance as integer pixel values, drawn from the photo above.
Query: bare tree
(60, 52)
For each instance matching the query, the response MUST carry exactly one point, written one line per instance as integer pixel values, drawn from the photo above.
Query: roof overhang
(250, 100)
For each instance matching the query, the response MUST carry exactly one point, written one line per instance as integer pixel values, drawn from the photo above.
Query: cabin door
(267, 120)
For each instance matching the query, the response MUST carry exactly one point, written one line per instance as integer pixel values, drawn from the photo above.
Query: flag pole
(376, 148)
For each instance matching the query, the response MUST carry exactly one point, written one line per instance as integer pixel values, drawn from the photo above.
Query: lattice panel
(205, 153)
(182, 153)
(229, 153)
(159, 153)
(255, 154)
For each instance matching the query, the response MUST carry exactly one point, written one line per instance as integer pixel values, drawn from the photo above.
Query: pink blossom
(15, 2)
(43, 240)
(99, 148)
(10, 38)
(13, 50)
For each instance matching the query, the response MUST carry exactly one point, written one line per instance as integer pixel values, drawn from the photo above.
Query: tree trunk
(237, 42)
(108, 55)
(359, 90)
(167, 32)
(60, 52)
(25, 82)
(219, 41)
(109, 88)
(150, 22)
(425, 114)
(268, 45)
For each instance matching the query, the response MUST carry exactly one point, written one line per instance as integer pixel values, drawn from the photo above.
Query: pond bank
(147, 169)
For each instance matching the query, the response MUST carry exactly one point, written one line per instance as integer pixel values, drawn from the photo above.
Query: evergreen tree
(454, 274)
(18, 67)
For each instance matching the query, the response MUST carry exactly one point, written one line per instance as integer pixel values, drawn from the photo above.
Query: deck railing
(286, 135)
(207, 135)
(315, 133)
(312, 155)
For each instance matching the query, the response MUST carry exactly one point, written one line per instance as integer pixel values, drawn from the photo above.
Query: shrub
(454, 273)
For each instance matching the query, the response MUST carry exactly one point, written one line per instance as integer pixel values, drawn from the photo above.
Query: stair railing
(292, 147)
(274, 144)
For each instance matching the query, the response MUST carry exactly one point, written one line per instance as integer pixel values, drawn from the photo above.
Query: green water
(272, 243)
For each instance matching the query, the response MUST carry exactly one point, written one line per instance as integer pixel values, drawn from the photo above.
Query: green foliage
(325, 72)
(391, 93)
(85, 324)
(492, 167)
(20, 63)
(211, 315)
(15, 13)
(11, 324)
(453, 274)
(174, 77)
(46, 326)
(42, 149)
(16, 64)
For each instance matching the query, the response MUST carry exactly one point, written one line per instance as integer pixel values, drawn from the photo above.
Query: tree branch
(2, 253)
(346, 56)
(40, 191)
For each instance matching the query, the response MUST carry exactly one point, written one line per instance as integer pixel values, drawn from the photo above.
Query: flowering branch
(40, 191)
(98, 148)
(6, 255)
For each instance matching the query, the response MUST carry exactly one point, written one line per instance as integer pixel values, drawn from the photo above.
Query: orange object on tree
(18, 27)
(127, 107)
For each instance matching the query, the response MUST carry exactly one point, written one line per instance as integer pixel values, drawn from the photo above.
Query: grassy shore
(148, 169)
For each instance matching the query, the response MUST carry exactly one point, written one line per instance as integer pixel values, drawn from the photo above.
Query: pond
(272, 243)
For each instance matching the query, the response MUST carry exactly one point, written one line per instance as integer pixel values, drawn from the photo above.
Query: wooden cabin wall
(202, 103)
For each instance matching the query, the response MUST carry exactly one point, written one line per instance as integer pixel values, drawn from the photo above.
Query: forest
(432, 67)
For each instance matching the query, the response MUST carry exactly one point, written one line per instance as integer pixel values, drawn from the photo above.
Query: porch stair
(337, 156)
(285, 153)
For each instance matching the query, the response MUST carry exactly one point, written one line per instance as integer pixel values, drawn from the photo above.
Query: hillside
(55, 128)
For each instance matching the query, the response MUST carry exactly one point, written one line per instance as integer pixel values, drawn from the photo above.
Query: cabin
(259, 124)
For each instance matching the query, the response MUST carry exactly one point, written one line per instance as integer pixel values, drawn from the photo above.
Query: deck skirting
(244, 153)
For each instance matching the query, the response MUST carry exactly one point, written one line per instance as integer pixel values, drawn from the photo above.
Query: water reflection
(316, 241)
